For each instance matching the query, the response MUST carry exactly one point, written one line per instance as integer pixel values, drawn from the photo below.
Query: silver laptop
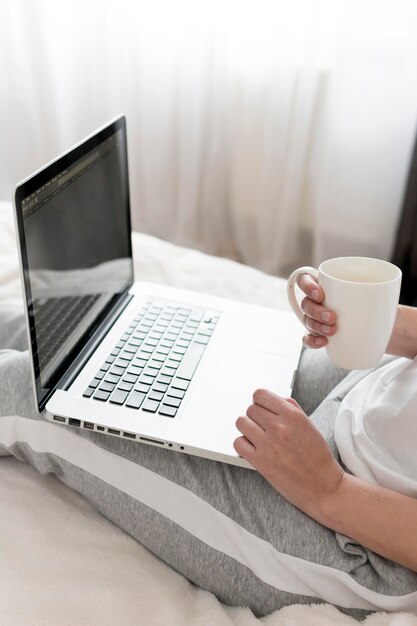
(145, 362)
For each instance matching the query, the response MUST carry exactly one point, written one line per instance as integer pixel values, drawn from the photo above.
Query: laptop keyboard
(151, 366)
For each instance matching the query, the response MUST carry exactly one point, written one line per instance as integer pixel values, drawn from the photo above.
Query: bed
(61, 562)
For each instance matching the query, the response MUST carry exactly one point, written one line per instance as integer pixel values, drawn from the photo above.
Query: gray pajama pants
(223, 527)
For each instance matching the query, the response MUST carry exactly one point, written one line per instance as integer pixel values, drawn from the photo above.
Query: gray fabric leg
(240, 495)
(13, 335)
(16, 388)
(316, 377)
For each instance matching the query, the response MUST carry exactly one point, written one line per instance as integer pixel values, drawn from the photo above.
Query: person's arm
(283, 445)
(321, 322)
(380, 519)
(403, 340)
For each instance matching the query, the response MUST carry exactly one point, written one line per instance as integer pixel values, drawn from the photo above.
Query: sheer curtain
(275, 132)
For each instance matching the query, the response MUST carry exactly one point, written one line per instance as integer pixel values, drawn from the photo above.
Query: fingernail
(315, 294)
(318, 341)
(325, 329)
(325, 316)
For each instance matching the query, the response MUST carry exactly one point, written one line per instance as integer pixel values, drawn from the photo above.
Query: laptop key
(171, 401)
(112, 378)
(162, 387)
(171, 363)
(142, 388)
(149, 372)
(168, 372)
(169, 411)
(162, 350)
(162, 378)
(119, 396)
(130, 378)
(196, 315)
(154, 364)
(178, 350)
(131, 348)
(201, 339)
(177, 383)
(107, 387)
(135, 399)
(191, 360)
(147, 349)
(176, 393)
(89, 392)
(150, 405)
(156, 395)
(146, 379)
(101, 395)
(150, 342)
(125, 386)
(142, 355)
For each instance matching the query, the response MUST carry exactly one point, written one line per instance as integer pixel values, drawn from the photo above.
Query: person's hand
(283, 445)
(318, 320)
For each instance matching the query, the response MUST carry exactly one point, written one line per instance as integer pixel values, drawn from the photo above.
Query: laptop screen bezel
(25, 189)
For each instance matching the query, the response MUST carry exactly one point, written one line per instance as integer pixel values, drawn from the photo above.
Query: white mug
(364, 293)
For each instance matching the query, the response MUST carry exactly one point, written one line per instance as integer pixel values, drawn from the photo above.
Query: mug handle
(291, 288)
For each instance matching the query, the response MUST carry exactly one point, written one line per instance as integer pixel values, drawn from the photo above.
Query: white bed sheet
(63, 563)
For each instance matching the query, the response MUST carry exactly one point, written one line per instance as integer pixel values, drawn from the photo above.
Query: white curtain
(278, 132)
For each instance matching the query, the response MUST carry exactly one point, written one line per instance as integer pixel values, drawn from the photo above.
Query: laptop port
(160, 443)
(112, 431)
(58, 418)
(89, 425)
(101, 428)
(74, 422)
(129, 435)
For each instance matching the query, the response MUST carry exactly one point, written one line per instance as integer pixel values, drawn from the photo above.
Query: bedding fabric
(91, 591)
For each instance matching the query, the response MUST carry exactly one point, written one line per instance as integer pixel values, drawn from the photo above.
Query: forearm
(380, 519)
(403, 340)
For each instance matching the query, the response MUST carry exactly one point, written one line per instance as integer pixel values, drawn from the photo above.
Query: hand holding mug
(318, 319)
(363, 293)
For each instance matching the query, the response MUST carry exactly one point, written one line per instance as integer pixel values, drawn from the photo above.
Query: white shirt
(376, 427)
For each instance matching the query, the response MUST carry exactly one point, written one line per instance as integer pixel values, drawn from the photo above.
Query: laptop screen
(75, 235)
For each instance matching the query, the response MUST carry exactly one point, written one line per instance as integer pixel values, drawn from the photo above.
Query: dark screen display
(77, 248)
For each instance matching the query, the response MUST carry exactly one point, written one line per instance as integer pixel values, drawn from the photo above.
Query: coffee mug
(364, 293)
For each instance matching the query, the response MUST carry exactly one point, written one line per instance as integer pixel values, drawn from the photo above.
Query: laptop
(146, 362)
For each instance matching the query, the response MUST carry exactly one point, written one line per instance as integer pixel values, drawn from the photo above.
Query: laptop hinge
(91, 345)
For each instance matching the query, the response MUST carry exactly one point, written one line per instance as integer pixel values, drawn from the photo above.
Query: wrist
(332, 505)
(403, 341)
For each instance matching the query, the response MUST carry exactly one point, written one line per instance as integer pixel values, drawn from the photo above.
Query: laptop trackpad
(246, 370)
